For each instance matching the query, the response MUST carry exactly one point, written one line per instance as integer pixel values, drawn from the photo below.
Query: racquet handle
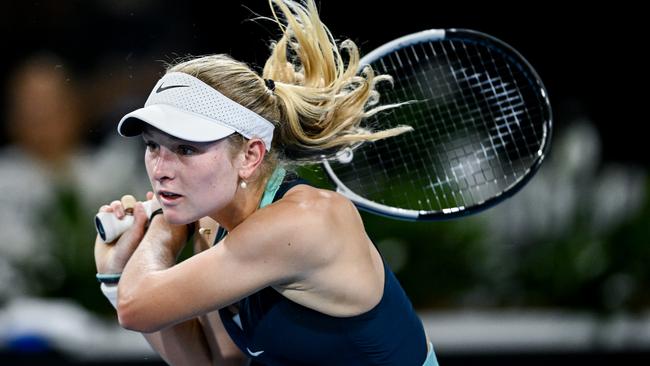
(109, 227)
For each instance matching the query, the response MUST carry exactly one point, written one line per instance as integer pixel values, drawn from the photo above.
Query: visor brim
(174, 121)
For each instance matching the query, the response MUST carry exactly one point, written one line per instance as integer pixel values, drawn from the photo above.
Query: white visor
(189, 109)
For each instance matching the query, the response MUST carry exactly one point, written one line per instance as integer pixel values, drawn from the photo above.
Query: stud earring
(243, 184)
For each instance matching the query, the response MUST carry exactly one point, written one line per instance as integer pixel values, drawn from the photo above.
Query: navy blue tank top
(275, 331)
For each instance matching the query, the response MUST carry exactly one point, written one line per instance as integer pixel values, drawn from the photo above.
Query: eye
(151, 146)
(186, 150)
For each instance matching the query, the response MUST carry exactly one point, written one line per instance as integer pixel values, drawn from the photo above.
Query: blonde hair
(318, 100)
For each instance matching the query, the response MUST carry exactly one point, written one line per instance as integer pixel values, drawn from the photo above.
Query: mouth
(168, 197)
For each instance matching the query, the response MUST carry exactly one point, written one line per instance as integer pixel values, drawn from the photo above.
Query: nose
(162, 164)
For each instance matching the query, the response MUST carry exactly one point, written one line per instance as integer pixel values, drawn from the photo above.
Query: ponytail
(321, 99)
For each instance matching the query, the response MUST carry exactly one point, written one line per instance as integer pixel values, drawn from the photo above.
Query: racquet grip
(109, 227)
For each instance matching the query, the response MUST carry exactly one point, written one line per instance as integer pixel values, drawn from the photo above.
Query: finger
(118, 209)
(140, 215)
(149, 196)
(105, 208)
(134, 234)
(128, 202)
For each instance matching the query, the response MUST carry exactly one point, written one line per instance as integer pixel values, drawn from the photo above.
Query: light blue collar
(272, 186)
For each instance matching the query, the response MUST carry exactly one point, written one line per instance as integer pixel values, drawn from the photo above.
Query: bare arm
(182, 344)
(217, 337)
(199, 341)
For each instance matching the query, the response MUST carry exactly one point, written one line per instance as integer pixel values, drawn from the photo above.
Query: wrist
(154, 213)
(108, 278)
(111, 263)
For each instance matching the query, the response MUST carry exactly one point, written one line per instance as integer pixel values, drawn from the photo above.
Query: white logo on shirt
(254, 354)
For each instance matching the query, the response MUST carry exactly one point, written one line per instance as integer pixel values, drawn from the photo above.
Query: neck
(247, 201)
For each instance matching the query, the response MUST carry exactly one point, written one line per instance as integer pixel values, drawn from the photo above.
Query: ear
(253, 156)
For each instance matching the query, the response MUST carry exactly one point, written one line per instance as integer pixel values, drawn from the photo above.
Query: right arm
(198, 341)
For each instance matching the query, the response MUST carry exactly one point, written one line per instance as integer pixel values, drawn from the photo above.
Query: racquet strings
(479, 127)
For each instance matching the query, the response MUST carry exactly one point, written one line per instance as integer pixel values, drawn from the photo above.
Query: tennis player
(288, 276)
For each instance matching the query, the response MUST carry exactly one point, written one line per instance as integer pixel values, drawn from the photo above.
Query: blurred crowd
(69, 80)
(54, 176)
(74, 69)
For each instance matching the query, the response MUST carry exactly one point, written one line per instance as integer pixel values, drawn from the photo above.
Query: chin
(175, 219)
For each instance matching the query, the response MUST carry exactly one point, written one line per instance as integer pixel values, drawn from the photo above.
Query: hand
(112, 257)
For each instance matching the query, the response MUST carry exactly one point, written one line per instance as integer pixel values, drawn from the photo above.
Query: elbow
(133, 314)
(129, 321)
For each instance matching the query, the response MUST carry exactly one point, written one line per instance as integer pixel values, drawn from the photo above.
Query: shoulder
(312, 210)
(303, 228)
(305, 210)
(304, 198)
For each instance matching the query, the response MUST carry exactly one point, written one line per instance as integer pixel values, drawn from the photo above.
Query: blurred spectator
(52, 184)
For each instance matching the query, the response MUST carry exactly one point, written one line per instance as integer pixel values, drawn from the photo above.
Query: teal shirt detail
(272, 186)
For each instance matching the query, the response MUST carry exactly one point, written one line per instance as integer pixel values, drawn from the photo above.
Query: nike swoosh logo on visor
(162, 88)
(254, 354)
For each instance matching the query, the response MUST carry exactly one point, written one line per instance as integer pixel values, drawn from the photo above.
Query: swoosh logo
(254, 354)
(162, 88)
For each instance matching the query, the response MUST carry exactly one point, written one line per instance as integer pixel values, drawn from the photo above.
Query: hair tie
(270, 84)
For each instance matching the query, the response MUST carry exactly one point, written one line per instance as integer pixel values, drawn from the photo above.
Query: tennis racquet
(110, 228)
(482, 126)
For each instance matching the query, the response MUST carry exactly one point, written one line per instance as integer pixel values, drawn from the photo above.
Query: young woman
(296, 280)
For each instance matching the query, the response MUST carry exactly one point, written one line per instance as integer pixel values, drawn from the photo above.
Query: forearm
(150, 257)
(182, 344)
(157, 251)
(223, 349)
(144, 304)
(200, 341)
